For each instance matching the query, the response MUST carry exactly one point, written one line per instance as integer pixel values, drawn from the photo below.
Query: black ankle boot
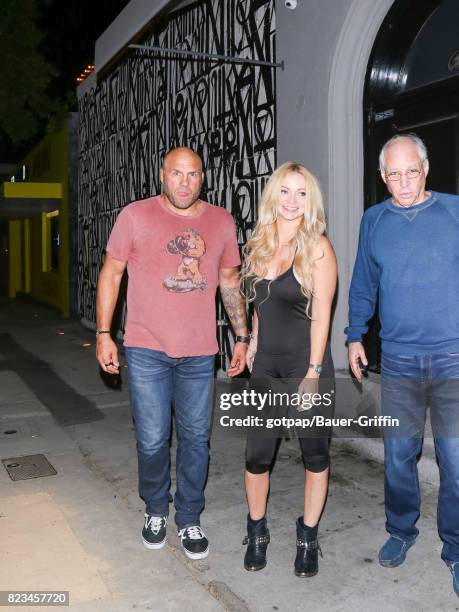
(257, 539)
(307, 552)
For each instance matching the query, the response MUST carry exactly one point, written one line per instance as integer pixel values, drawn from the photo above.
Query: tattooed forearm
(235, 308)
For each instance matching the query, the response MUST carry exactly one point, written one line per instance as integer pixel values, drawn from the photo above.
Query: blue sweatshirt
(411, 255)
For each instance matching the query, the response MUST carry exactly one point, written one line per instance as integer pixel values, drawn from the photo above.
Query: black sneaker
(154, 531)
(194, 542)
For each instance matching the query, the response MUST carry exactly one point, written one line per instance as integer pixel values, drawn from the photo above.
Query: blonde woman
(290, 274)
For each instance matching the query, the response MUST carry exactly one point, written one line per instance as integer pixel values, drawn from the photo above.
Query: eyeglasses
(412, 173)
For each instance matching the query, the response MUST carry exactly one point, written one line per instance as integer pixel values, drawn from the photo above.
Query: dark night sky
(71, 28)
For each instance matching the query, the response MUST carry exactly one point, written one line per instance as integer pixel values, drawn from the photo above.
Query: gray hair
(414, 138)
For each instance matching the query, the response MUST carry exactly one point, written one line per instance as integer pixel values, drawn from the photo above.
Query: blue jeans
(408, 385)
(156, 382)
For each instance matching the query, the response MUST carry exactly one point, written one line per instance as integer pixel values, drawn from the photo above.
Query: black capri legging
(279, 373)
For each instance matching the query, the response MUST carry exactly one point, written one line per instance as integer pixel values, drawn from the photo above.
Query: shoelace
(155, 523)
(193, 533)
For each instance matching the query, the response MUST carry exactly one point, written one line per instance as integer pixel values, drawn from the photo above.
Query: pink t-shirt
(173, 264)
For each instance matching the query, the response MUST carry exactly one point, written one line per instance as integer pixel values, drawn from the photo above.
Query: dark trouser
(155, 382)
(409, 384)
(274, 373)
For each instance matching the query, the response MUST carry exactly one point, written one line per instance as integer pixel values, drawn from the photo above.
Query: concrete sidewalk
(80, 529)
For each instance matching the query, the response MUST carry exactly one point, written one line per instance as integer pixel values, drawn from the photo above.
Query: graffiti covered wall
(146, 105)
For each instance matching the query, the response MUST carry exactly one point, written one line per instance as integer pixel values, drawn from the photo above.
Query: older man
(177, 249)
(409, 252)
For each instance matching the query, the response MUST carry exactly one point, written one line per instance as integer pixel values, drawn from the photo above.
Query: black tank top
(283, 325)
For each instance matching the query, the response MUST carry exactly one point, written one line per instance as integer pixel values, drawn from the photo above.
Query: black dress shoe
(257, 539)
(307, 553)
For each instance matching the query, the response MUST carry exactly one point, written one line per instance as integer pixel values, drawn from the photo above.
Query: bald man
(177, 249)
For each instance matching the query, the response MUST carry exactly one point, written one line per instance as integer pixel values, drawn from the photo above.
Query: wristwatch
(245, 339)
(317, 367)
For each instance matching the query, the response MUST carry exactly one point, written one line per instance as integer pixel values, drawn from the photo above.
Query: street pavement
(79, 530)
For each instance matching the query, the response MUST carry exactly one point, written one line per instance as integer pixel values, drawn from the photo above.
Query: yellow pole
(27, 275)
(15, 258)
(45, 243)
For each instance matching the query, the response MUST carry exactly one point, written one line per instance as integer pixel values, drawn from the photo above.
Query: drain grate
(30, 466)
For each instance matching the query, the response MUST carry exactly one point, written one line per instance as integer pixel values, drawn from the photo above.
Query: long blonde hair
(264, 241)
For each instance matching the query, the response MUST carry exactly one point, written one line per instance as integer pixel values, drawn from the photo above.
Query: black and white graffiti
(148, 104)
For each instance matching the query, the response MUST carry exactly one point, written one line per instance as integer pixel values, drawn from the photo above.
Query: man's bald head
(180, 153)
(182, 177)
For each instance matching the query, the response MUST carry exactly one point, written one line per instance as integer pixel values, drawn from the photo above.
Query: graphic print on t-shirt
(189, 247)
